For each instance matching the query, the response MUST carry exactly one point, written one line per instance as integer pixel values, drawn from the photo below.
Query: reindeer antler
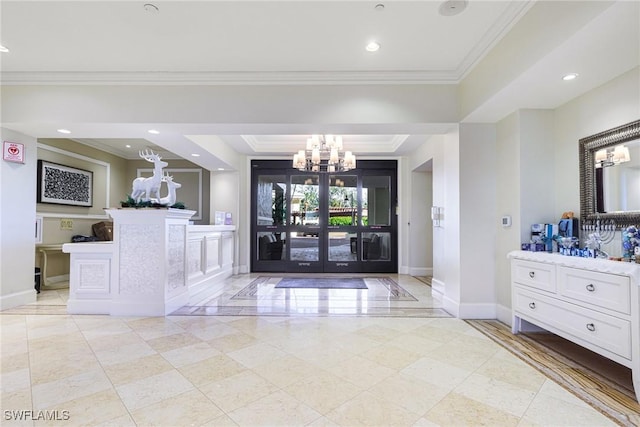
(149, 155)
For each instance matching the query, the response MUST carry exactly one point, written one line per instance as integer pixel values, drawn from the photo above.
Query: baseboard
(477, 311)
(205, 282)
(17, 299)
(504, 314)
(81, 306)
(424, 271)
(57, 279)
(451, 306)
(243, 269)
(437, 286)
(403, 269)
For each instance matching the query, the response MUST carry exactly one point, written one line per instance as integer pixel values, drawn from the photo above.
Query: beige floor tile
(137, 369)
(210, 370)
(103, 343)
(14, 363)
(285, 370)
(547, 410)
(362, 372)
(82, 411)
(409, 393)
(436, 373)
(464, 357)
(48, 367)
(354, 343)
(323, 391)
(391, 356)
(232, 342)
(239, 390)
(368, 410)
(415, 343)
(170, 342)
(551, 389)
(221, 421)
(457, 410)
(436, 334)
(210, 332)
(323, 422)
(189, 354)
(513, 371)
(379, 333)
(277, 409)
(188, 409)
(154, 389)
(125, 353)
(256, 354)
(18, 379)
(66, 389)
(498, 394)
(16, 400)
(123, 421)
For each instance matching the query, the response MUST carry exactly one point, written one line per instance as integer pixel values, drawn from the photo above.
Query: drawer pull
(532, 274)
(532, 305)
(591, 287)
(591, 327)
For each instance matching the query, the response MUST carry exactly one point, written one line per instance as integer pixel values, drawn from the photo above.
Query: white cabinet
(592, 302)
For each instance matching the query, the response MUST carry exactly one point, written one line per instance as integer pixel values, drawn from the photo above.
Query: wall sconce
(437, 215)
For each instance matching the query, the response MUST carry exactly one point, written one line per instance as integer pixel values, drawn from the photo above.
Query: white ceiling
(302, 41)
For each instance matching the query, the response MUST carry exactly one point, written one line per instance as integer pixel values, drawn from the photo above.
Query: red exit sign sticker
(13, 152)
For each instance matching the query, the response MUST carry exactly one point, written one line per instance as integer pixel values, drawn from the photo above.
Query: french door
(319, 222)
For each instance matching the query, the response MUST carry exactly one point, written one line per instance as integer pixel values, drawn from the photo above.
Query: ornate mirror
(610, 176)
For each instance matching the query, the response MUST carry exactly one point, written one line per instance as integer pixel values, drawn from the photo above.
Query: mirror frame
(588, 147)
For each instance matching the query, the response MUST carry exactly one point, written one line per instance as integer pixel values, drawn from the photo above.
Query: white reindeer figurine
(145, 188)
(170, 200)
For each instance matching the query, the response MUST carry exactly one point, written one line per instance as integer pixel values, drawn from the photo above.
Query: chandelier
(324, 154)
(605, 158)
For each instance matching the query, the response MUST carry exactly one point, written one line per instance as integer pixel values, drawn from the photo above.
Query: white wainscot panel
(227, 250)
(195, 253)
(213, 253)
(93, 278)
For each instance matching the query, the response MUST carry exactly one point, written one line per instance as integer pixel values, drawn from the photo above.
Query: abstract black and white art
(64, 185)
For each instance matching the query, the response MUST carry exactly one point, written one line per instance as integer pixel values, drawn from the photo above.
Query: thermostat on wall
(506, 221)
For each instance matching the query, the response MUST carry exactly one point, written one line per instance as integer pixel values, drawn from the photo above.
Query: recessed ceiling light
(153, 131)
(4, 49)
(64, 131)
(195, 154)
(128, 146)
(220, 169)
(452, 7)
(372, 46)
(570, 76)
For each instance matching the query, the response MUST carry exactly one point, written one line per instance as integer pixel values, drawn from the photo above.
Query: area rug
(322, 283)
(596, 380)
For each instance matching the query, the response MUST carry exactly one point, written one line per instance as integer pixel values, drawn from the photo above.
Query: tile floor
(276, 370)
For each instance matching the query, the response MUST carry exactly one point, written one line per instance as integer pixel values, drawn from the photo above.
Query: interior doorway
(341, 222)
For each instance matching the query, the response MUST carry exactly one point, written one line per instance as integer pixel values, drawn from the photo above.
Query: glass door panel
(305, 248)
(271, 204)
(376, 197)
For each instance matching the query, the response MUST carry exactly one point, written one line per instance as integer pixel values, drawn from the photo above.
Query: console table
(45, 250)
(592, 302)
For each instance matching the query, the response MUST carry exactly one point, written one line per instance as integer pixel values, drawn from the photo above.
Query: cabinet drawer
(599, 289)
(535, 274)
(606, 332)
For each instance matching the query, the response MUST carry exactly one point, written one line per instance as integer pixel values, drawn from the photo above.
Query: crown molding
(228, 78)
(504, 24)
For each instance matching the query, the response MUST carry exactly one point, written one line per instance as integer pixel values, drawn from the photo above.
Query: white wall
(477, 219)
(17, 224)
(508, 196)
(610, 105)
(420, 236)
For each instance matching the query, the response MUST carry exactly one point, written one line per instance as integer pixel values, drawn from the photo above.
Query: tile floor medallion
(384, 296)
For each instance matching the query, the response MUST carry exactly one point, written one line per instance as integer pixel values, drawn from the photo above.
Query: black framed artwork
(64, 185)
